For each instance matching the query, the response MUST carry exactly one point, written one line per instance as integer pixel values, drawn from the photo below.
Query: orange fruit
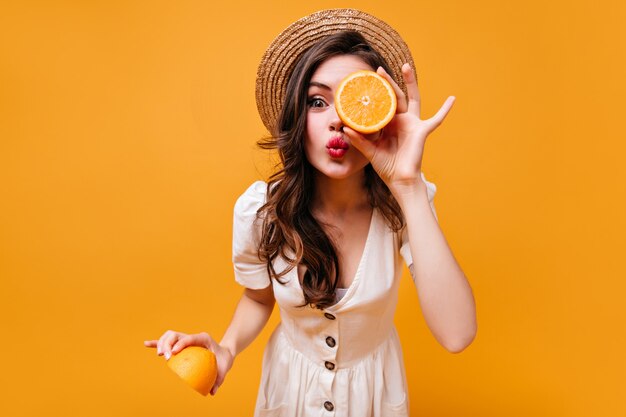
(365, 101)
(197, 366)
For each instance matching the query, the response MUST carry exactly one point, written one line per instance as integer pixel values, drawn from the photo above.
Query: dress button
(329, 316)
(329, 365)
(329, 406)
(330, 341)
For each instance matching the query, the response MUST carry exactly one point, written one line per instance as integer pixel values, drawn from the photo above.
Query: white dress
(345, 360)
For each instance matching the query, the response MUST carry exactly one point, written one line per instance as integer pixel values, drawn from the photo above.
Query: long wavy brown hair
(288, 224)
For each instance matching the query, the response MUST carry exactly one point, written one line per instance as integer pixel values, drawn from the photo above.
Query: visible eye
(316, 102)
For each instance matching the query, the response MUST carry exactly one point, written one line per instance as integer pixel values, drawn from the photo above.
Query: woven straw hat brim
(286, 49)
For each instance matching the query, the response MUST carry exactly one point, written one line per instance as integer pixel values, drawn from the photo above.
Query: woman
(325, 237)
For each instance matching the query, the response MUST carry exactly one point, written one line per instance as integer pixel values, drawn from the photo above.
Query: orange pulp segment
(365, 101)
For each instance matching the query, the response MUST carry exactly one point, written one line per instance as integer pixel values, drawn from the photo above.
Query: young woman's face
(326, 147)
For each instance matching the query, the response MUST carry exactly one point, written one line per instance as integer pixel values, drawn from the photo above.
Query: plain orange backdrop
(127, 132)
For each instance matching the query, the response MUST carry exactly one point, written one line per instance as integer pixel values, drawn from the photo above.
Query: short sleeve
(405, 250)
(250, 271)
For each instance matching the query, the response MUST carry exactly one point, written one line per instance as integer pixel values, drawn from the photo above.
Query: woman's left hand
(396, 154)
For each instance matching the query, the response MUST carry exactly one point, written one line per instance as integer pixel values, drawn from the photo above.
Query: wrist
(229, 348)
(408, 189)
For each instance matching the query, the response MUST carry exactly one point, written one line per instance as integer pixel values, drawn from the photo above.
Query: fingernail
(167, 356)
(159, 351)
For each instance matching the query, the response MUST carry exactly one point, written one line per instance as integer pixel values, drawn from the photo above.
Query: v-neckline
(357, 275)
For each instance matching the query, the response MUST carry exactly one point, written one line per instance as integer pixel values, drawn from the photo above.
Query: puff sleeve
(250, 271)
(405, 250)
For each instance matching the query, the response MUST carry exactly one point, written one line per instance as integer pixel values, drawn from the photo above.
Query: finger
(150, 343)
(412, 90)
(211, 343)
(168, 341)
(181, 344)
(159, 344)
(402, 102)
(217, 349)
(443, 112)
(186, 340)
(217, 384)
(161, 341)
(366, 147)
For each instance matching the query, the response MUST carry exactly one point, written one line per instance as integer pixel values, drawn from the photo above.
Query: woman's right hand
(172, 342)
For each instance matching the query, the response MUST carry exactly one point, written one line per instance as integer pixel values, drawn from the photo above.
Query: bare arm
(250, 317)
(445, 295)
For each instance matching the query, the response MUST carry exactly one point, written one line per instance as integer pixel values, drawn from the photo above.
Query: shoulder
(251, 199)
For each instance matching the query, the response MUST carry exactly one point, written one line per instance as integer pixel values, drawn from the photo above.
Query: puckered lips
(337, 147)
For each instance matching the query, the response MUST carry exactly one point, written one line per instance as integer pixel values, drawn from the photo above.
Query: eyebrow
(320, 85)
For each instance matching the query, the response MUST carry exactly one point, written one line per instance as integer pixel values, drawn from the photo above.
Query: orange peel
(197, 366)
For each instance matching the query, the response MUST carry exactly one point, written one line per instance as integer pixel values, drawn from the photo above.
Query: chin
(337, 176)
(340, 172)
(338, 169)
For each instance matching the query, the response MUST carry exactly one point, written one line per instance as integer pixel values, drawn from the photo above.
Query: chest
(349, 236)
(373, 278)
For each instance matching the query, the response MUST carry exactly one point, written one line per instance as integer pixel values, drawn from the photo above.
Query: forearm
(445, 295)
(248, 320)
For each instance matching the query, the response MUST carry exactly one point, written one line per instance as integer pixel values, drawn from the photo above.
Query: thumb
(213, 345)
(365, 146)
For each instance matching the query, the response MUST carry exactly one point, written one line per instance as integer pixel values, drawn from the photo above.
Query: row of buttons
(331, 342)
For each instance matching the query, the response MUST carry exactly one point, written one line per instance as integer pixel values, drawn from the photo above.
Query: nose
(335, 124)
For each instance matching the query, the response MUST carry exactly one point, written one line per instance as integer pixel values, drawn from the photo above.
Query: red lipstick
(337, 147)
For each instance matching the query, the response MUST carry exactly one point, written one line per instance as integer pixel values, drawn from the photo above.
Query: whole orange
(197, 366)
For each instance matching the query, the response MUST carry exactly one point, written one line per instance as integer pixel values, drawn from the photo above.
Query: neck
(340, 195)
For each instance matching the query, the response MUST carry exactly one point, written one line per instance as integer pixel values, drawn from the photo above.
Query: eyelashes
(316, 102)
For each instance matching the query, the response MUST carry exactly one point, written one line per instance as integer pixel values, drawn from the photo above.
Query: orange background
(127, 133)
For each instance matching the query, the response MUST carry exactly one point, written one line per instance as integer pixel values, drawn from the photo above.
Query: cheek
(313, 122)
(307, 132)
(309, 136)
(314, 129)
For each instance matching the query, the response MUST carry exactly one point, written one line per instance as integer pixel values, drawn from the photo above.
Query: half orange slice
(365, 101)
(197, 366)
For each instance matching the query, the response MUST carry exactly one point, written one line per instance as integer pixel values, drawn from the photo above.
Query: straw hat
(284, 52)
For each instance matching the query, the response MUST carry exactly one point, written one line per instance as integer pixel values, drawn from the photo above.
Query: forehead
(334, 69)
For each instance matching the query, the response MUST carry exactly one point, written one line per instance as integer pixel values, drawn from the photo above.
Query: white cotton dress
(345, 360)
